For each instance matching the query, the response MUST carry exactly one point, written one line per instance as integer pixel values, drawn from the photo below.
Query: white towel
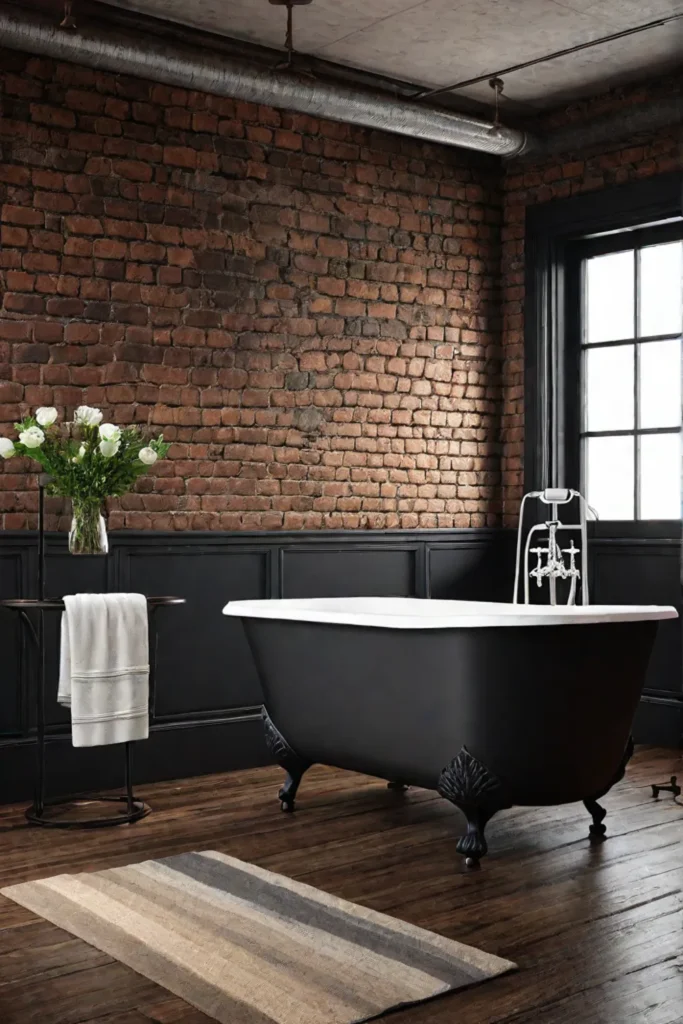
(104, 668)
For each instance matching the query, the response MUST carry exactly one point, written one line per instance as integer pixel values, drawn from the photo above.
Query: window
(630, 374)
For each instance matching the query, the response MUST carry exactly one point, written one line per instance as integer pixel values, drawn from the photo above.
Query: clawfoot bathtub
(490, 704)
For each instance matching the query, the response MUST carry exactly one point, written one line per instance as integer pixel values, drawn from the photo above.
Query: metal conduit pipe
(122, 52)
(624, 124)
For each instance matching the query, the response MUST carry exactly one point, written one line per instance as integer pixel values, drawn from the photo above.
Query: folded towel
(104, 668)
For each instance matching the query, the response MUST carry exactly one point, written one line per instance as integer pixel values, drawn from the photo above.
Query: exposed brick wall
(310, 311)
(527, 184)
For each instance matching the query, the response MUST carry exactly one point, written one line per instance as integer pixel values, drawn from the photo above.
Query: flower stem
(85, 537)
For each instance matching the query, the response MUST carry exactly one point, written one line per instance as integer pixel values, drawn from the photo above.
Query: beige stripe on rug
(247, 946)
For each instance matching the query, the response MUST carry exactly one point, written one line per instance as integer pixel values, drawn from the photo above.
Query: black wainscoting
(646, 570)
(207, 710)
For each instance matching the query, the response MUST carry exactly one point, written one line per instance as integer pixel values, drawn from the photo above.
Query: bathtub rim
(427, 613)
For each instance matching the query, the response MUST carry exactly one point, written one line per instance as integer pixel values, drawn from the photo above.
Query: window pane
(609, 374)
(660, 383)
(610, 297)
(609, 473)
(661, 289)
(660, 476)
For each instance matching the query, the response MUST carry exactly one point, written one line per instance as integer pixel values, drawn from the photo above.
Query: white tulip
(79, 458)
(7, 449)
(109, 432)
(148, 456)
(109, 448)
(32, 438)
(46, 415)
(86, 416)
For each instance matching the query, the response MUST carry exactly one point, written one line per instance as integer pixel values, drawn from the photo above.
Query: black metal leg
(287, 793)
(153, 657)
(288, 759)
(670, 787)
(468, 784)
(39, 795)
(128, 775)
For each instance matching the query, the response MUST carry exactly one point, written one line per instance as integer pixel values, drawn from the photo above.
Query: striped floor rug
(247, 946)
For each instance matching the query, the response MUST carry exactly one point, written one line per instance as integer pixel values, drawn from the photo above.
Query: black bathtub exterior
(489, 716)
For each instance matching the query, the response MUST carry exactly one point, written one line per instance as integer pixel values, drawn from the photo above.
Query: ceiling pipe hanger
(497, 85)
(425, 94)
(290, 63)
(68, 21)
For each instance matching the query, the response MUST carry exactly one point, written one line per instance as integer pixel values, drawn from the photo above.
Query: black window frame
(577, 253)
(555, 233)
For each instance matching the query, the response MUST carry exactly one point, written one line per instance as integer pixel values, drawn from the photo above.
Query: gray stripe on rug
(292, 906)
(288, 958)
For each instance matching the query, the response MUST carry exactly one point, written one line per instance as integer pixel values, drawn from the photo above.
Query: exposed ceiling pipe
(121, 52)
(624, 124)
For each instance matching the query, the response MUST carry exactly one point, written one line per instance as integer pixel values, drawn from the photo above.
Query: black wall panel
(12, 653)
(472, 571)
(203, 662)
(356, 570)
(637, 570)
(626, 572)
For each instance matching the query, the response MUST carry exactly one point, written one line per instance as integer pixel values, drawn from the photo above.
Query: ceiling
(437, 42)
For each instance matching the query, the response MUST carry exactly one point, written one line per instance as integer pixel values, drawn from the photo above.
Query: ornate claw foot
(598, 813)
(473, 845)
(468, 784)
(597, 830)
(288, 759)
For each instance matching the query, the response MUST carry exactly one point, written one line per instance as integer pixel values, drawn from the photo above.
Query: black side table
(38, 812)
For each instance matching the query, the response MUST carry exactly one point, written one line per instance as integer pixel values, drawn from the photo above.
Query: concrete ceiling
(437, 42)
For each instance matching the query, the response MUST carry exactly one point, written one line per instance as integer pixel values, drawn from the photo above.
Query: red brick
(134, 170)
(22, 215)
(57, 116)
(288, 140)
(14, 237)
(180, 156)
(109, 249)
(83, 225)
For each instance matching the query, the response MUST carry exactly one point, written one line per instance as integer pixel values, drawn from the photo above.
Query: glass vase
(88, 533)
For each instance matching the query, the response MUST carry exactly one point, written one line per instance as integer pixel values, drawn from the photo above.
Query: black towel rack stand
(49, 812)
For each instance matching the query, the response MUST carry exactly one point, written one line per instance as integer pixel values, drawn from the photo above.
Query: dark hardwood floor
(597, 931)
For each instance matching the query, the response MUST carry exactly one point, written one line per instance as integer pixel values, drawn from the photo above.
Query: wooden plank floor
(597, 931)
